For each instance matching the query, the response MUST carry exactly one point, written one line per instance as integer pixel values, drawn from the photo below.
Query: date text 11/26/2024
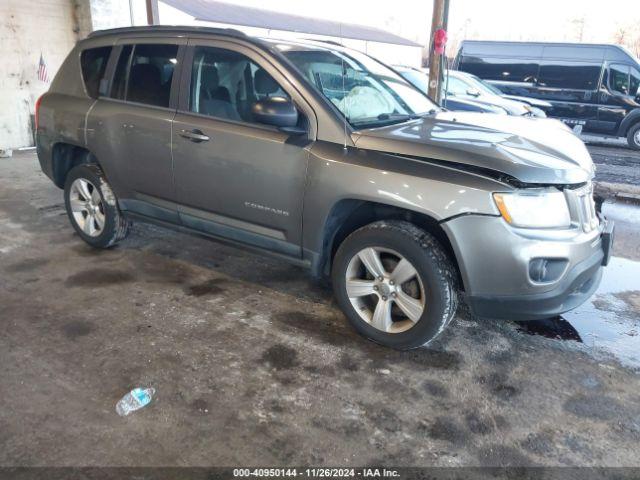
(315, 473)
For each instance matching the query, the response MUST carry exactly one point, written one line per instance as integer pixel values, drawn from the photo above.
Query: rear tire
(633, 137)
(93, 208)
(405, 301)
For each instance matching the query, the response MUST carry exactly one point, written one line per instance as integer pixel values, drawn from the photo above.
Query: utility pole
(152, 12)
(438, 22)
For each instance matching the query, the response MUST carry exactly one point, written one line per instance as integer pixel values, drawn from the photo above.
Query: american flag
(43, 75)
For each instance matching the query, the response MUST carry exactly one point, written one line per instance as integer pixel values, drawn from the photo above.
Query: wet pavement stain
(382, 417)
(348, 428)
(26, 265)
(435, 388)
(447, 429)
(557, 328)
(498, 385)
(421, 357)
(606, 323)
(200, 405)
(209, 287)
(335, 333)
(504, 456)
(347, 363)
(98, 277)
(596, 407)
(539, 443)
(76, 329)
(280, 357)
(479, 424)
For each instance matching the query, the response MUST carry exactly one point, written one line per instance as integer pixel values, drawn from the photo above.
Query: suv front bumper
(494, 260)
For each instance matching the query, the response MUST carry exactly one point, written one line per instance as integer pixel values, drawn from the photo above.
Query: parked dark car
(594, 87)
(419, 79)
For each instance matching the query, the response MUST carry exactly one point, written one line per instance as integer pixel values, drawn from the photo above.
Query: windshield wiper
(385, 119)
(398, 116)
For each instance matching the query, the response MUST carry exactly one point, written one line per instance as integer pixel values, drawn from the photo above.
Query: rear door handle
(194, 135)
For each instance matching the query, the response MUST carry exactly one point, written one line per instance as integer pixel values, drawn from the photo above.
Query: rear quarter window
(93, 63)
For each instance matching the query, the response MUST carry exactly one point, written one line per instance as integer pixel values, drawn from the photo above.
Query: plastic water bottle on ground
(134, 400)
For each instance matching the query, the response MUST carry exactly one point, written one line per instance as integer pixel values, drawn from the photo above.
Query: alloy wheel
(385, 289)
(86, 206)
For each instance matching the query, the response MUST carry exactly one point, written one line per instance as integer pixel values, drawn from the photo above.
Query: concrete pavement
(254, 365)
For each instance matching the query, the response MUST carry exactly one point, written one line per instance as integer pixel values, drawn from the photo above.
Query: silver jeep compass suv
(327, 158)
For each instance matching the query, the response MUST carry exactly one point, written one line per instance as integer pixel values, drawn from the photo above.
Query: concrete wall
(50, 27)
(27, 29)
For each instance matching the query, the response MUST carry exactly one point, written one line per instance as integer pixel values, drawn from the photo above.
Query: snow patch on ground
(12, 235)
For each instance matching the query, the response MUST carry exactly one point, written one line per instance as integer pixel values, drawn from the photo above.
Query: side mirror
(473, 92)
(277, 111)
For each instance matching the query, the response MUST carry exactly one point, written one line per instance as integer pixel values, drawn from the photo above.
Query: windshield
(483, 86)
(366, 92)
(418, 79)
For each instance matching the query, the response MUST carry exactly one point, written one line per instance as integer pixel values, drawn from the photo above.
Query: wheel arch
(348, 215)
(65, 156)
(630, 121)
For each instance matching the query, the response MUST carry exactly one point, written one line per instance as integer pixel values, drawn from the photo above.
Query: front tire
(395, 283)
(633, 137)
(92, 207)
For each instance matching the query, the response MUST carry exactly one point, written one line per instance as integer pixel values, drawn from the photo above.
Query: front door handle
(194, 135)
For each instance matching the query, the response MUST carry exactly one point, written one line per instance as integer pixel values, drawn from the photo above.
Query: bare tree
(621, 35)
(579, 23)
(628, 35)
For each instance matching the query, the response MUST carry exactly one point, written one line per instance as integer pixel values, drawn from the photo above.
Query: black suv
(594, 87)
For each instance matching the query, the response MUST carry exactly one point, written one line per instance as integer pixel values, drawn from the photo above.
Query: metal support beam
(152, 12)
(439, 20)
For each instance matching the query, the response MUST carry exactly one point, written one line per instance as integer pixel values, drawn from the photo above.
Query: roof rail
(168, 29)
(322, 40)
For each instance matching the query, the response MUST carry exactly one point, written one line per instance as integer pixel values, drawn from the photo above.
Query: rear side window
(570, 75)
(151, 73)
(503, 69)
(93, 62)
(144, 74)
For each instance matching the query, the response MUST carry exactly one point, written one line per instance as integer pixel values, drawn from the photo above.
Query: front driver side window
(619, 79)
(225, 84)
(634, 81)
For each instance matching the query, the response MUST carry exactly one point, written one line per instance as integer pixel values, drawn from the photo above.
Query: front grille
(583, 207)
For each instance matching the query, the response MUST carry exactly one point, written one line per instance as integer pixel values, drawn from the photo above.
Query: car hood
(513, 107)
(464, 104)
(531, 101)
(532, 150)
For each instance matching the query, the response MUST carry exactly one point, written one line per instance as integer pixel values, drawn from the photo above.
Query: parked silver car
(461, 86)
(326, 158)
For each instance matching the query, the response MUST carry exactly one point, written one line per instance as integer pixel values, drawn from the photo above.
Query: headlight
(539, 209)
